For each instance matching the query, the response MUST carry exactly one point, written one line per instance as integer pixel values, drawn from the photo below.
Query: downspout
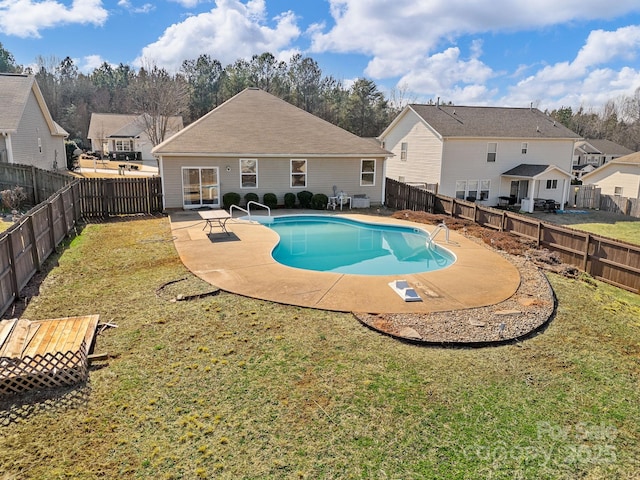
(164, 192)
(7, 142)
(384, 180)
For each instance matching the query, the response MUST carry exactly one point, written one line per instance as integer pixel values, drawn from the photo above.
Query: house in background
(486, 154)
(597, 152)
(28, 133)
(620, 176)
(123, 137)
(258, 143)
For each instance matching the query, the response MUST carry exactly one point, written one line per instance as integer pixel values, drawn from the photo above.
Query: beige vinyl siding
(612, 175)
(274, 177)
(424, 151)
(466, 159)
(25, 141)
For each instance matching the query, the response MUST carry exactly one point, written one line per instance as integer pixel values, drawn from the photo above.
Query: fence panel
(570, 244)
(42, 232)
(587, 196)
(22, 248)
(8, 292)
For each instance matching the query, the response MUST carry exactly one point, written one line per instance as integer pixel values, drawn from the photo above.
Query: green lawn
(229, 387)
(597, 222)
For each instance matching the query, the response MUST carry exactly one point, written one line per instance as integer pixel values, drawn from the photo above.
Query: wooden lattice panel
(18, 375)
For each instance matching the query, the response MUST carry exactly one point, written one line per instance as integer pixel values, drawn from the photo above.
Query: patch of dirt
(526, 312)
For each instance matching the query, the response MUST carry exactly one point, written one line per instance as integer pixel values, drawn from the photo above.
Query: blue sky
(553, 53)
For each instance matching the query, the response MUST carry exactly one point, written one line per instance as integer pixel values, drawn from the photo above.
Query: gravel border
(522, 315)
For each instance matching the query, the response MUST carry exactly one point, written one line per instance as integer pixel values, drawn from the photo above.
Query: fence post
(12, 266)
(587, 241)
(34, 247)
(34, 182)
(539, 234)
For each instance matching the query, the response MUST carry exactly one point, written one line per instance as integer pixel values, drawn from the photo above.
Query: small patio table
(215, 217)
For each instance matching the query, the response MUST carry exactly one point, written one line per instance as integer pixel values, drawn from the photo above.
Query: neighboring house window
(552, 184)
(525, 147)
(124, 146)
(617, 191)
(367, 172)
(401, 178)
(492, 149)
(39, 144)
(248, 173)
(485, 186)
(403, 151)
(298, 173)
(472, 194)
(473, 189)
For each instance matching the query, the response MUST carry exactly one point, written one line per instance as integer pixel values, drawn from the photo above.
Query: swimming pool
(340, 245)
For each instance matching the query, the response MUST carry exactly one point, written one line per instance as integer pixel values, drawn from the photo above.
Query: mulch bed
(528, 311)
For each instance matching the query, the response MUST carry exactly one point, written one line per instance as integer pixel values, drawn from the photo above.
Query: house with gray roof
(124, 137)
(482, 154)
(256, 142)
(592, 153)
(28, 133)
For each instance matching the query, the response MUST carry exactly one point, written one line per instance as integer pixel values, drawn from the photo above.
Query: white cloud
(229, 31)
(89, 63)
(588, 79)
(145, 8)
(25, 18)
(416, 42)
(188, 3)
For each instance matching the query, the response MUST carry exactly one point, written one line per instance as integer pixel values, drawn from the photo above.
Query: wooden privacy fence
(28, 243)
(611, 261)
(104, 197)
(37, 184)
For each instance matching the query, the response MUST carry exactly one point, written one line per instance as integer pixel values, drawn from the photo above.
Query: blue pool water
(335, 244)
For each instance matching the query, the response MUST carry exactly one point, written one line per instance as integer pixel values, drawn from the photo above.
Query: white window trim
(478, 189)
(292, 173)
(495, 152)
(524, 148)
(242, 174)
(375, 167)
(404, 147)
(552, 184)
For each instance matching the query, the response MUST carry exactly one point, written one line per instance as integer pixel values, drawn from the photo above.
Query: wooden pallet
(44, 354)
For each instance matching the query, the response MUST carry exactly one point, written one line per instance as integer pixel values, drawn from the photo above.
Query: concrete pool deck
(241, 263)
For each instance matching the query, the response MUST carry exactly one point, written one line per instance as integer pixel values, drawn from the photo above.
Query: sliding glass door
(200, 187)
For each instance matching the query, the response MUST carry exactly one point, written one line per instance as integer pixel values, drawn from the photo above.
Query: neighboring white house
(123, 137)
(28, 134)
(488, 154)
(597, 152)
(258, 143)
(620, 176)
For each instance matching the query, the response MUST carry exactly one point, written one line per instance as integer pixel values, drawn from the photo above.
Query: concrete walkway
(241, 263)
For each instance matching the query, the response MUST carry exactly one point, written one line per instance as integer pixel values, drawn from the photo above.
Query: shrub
(304, 197)
(270, 200)
(230, 198)
(13, 198)
(251, 197)
(319, 201)
(289, 200)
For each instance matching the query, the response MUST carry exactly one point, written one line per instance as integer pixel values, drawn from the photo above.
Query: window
(367, 172)
(492, 149)
(473, 189)
(124, 146)
(485, 186)
(248, 173)
(403, 151)
(298, 173)
(617, 191)
(552, 184)
(472, 193)
(525, 147)
(39, 145)
(401, 178)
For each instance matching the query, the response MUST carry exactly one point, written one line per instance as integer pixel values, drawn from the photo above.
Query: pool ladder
(431, 236)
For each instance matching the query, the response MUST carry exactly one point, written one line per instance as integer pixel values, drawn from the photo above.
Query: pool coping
(241, 263)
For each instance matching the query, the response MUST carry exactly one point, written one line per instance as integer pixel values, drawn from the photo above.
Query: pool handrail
(248, 209)
(431, 236)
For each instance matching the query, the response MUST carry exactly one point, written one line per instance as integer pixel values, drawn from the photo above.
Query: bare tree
(157, 97)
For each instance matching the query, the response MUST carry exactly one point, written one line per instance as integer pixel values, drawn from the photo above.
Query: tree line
(199, 86)
(203, 83)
